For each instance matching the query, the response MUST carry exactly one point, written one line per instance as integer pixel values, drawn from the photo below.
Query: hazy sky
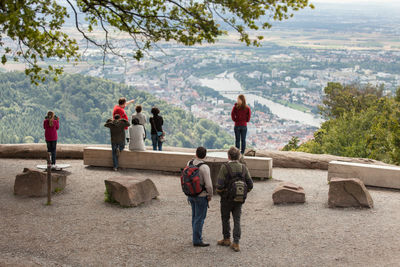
(386, 2)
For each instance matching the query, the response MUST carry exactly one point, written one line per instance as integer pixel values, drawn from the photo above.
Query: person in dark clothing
(117, 130)
(229, 205)
(156, 123)
(241, 114)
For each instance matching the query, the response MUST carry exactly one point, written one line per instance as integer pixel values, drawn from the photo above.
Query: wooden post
(48, 179)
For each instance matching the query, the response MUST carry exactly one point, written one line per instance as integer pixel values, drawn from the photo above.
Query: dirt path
(79, 229)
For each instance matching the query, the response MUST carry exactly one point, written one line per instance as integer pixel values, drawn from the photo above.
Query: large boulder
(130, 191)
(33, 183)
(349, 192)
(288, 193)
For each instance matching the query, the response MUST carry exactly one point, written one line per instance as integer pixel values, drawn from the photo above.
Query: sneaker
(53, 166)
(235, 247)
(115, 169)
(224, 242)
(201, 244)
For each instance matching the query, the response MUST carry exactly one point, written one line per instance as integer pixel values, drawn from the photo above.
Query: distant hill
(83, 104)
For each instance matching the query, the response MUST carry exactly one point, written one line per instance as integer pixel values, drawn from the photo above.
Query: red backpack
(190, 180)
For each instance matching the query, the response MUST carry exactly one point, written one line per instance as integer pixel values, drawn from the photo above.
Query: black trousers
(228, 207)
(51, 147)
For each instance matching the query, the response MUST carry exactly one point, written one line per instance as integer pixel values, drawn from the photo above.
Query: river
(225, 83)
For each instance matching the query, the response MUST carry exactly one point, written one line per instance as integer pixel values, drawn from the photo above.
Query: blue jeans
(240, 135)
(52, 147)
(156, 142)
(116, 147)
(199, 213)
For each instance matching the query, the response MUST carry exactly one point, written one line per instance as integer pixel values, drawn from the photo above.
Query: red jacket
(50, 132)
(121, 112)
(241, 116)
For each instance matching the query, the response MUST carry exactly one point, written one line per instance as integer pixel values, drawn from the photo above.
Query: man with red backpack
(234, 182)
(197, 185)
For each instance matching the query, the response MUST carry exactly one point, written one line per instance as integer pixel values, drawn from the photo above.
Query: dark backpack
(190, 180)
(236, 185)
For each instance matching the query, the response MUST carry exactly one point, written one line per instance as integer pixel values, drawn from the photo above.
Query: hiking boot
(235, 247)
(224, 242)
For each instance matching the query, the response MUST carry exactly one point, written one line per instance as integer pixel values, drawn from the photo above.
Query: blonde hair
(50, 117)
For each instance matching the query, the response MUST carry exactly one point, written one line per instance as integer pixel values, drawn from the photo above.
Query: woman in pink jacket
(241, 114)
(51, 125)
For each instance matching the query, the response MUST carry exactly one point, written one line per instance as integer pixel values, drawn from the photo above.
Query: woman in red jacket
(51, 125)
(241, 116)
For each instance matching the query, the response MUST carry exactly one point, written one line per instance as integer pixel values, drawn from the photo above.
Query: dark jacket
(117, 130)
(157, 122)
(241, 116)
(236, 167)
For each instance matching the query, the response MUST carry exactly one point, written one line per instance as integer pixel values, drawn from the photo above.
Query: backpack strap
(244, 172)
(200, 164)
(229, 169)
(191, 162)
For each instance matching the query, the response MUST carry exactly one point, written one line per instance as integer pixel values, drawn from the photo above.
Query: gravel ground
(80, 229)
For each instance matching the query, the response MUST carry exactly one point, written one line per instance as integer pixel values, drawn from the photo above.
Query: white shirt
(136, 135)
(141, 117)
(205, 178)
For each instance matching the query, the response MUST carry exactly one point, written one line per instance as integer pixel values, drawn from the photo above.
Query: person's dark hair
(138, 108)
(122, 101)
(234, 153)
(135, 121)
(201, 152)
(155, 111)
(117, 117)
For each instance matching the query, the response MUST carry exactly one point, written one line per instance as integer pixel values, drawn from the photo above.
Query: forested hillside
(83, 105)
(361, 122)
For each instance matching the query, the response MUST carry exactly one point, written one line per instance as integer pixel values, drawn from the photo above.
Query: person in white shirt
(136, 135)
(139, 115)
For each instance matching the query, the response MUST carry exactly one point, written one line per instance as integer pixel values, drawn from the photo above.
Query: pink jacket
(50, 132)
(241, 116)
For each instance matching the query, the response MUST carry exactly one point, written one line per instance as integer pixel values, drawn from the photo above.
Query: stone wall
(281, 159)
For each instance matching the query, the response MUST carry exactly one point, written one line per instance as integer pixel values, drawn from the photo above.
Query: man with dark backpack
(197, 185)
(234, 182)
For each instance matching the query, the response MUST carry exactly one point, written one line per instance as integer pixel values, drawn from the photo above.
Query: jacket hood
(116, 123)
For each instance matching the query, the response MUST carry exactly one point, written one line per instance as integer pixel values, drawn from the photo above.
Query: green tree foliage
(35, 25)
(83, 104)
(361, 122)
(340, 99)
(292, 145)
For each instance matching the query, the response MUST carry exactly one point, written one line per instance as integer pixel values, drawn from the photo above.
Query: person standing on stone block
(139, 115)
(120, 109)
(117, 130)
(51, 124)
(157, 133)
(200, 197)
(241, 114)
(234, 182)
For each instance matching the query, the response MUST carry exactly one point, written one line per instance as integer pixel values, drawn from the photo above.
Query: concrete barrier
(372, 175)
(169, 161)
